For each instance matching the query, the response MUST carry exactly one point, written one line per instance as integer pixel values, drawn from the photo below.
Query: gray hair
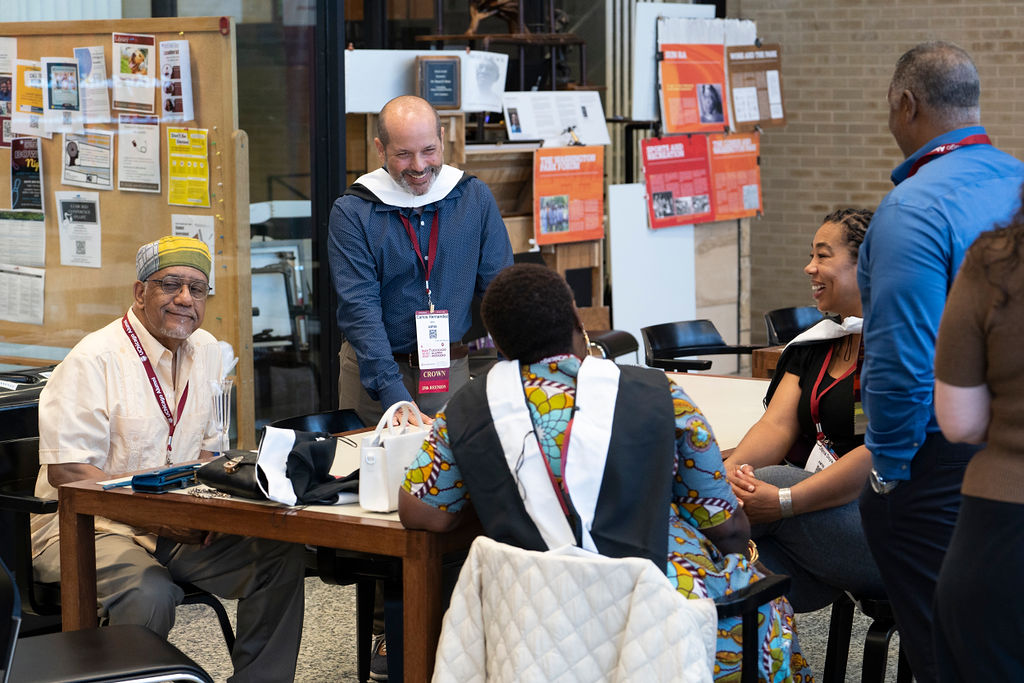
(943, 76)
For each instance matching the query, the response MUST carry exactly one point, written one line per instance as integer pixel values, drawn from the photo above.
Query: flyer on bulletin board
(568, 194)
(692, 85)
(27, 107)
(188, 168)
(678, 179)
(755, 82)
(134, 64)
(736, 175)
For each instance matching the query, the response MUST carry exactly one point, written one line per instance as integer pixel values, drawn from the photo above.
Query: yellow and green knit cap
(172, 251)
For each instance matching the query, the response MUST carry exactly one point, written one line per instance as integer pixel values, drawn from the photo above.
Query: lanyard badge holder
(823, 454)
(433, 342)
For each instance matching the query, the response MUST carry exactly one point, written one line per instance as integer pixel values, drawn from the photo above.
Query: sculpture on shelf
(504, 9)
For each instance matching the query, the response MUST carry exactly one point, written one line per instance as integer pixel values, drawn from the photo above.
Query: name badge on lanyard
(433, 346)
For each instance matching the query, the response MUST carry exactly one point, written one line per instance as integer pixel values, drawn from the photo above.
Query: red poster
(568, 194)
(736, 175)
(678, 180)
(692, 81)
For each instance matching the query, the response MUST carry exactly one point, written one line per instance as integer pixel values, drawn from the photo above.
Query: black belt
(458, 350)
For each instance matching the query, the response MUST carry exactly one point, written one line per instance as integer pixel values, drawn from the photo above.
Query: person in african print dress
(507, 441)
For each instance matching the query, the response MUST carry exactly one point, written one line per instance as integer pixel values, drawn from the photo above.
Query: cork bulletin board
(79, 300)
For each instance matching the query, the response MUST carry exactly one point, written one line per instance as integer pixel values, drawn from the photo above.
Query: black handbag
(233, 472)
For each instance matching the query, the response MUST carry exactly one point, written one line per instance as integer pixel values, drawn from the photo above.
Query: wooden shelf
(507, 38)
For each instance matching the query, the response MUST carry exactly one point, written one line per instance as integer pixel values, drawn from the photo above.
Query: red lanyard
(816, 397)
(154, 383)
(976, 139)
(431, 250)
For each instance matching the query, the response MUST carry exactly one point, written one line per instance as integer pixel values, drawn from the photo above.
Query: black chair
(331, 421)
(784, 324)
(614, 343)
(667, 344)
(876, 643)
(113, 653)
(19, 465)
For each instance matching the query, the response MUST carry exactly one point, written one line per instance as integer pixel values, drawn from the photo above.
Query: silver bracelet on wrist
(786, 502)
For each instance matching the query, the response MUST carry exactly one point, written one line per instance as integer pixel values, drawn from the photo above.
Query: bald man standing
(410, 245)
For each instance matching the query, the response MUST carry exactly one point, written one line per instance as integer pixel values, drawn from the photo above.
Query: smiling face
(170, 318)
(833, 272)
(414, 153)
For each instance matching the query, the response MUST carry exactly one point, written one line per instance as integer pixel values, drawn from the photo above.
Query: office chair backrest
(783, 324)
(682, 334)
(332, 421)
(10, 620)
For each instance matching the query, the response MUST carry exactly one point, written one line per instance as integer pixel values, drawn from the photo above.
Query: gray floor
(328, 638)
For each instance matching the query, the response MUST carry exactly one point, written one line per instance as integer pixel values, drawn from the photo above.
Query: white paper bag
(384, 455)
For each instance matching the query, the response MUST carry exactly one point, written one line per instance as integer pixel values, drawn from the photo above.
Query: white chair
(570, 615)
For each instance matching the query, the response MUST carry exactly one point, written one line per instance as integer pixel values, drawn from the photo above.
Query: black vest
(631, 519)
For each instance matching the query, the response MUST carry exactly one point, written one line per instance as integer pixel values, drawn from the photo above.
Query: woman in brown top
(979, 397)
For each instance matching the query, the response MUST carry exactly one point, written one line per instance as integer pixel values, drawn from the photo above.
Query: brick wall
(836, 150)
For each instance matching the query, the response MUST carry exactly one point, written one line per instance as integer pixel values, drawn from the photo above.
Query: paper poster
(138, 153)
(568, 194)
(21, 294)
(692, 85)
(134, 57)
(678, 180)
(188, 168)
(756, 84)
(92, 84)
(483, 80)
(175, 81)
(61, 105)
(735, 175)
(26, 175)
(201, 228)
(79, 228)
(23, 238)
(8, 53)
(87, 159)
(5, 131)
(27, 108)
(558, 118)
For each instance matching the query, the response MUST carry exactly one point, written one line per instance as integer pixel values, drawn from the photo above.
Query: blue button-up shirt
(910, 256)
(380, 281)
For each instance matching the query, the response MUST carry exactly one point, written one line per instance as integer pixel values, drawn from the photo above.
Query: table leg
(77, 567)
(421, 623)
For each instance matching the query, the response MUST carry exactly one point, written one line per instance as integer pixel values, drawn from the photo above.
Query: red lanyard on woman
(154, 384)
(816, 396)
(431, 251)
(976, 139)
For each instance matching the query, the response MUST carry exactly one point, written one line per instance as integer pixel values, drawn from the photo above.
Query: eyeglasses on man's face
(172, 285)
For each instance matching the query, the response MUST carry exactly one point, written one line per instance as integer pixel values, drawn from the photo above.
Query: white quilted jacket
(570, 615)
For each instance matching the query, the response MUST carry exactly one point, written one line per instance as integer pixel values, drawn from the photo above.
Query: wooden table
(344, 527)
(763, 361)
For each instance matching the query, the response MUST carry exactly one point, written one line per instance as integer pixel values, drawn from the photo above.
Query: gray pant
(266, 577)
(824, 552)
(352, 395)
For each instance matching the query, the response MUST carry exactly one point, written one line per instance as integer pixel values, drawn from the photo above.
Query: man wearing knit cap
(135, 395)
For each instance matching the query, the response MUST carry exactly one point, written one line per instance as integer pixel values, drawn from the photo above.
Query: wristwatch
(880, 485)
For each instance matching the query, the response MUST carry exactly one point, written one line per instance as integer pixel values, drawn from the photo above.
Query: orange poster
(692, 79)
(735, 175)
(678, 180)
(568, 194)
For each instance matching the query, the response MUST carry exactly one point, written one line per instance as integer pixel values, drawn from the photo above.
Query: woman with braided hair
(801, 467)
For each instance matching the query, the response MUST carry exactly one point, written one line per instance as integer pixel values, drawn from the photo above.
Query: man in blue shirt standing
(952, 186)
(410, 244)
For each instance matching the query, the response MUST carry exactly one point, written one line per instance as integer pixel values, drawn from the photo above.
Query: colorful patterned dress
(701, 499)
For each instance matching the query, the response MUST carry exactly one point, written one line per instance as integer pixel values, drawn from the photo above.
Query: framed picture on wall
(437, 81)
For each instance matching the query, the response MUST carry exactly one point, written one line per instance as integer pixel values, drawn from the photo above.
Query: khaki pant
(266, 577)
(352, 395)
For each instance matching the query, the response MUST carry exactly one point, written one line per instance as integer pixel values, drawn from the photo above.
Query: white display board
(645, 73)
(372, 77)
(652, 271)
(547, 116)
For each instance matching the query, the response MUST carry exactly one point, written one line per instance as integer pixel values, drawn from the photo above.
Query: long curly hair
(1000, 252)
